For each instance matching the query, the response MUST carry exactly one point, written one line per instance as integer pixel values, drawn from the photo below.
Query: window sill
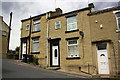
(57, 28)
(71, 58)
(35, 31)
(118, 30)
(72, 31)
(35, 52)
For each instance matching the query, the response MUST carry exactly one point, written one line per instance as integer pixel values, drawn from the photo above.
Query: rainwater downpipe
(47, 35)
(29, 35)
(114, 54)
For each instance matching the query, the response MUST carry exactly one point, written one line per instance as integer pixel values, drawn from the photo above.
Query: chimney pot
(58, 10)
(91, 5)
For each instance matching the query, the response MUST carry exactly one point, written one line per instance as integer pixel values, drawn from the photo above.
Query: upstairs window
(118, 19)
(73, 48)
(4, 33)
(57, 25)
(71, 23)
(27, 27)
(36, 25)
(35, 47)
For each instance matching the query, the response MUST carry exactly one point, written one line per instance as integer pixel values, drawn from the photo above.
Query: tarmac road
(13, 69)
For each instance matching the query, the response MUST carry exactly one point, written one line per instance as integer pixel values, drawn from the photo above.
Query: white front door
(103, 64)
(23, 49)
(55, 56)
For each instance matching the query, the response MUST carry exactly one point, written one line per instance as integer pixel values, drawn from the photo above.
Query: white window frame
(72, 23)
(118, 27)
(36, 40)
(56, 24)
(36, 22)
(72, 45)
(4, 33)
(27, 27)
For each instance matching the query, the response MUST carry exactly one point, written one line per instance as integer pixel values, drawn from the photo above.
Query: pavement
(18, 69)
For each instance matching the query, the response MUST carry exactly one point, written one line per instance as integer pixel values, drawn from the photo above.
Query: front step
(53, 68)
(103, 76)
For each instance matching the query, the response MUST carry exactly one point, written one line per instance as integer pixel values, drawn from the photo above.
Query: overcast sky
(26, 8)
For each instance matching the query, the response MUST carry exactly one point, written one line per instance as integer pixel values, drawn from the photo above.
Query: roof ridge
(104, 10)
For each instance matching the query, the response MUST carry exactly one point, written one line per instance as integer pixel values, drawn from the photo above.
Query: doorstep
(53, 68)
(104, 76)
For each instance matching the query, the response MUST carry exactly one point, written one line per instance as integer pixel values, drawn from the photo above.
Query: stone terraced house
(82, 40)
(4, 32)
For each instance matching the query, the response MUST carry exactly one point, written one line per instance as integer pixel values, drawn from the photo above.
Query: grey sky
(22, 10)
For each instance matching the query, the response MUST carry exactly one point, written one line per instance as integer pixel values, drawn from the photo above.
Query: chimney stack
(91, 5)
(58, 10)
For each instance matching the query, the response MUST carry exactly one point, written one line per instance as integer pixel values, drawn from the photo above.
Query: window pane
(74, 26)
(55, 52)
(35, 40)
(71, 20)
(73, 51)
(70, 51)
(35, 47)
(72, 48)
(72, 42)
(57, 25)
(27, 27)
(118, 19)
(101, 46)
(119, 22)
(118, 14)
(36, 27)
(4, 33)
(69, 27)
(71, 23)
(76, 51)
(36, 21)
(57, 22)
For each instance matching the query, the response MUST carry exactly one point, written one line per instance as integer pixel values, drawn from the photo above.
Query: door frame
(23, 40)
(55, 42)
(22, 49)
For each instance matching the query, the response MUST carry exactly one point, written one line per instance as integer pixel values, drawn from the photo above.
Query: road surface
(14, 69)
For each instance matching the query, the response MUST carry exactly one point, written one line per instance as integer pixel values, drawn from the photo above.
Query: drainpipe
(114, 55)
(47, 35)
(9, 32)
(29, 35)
